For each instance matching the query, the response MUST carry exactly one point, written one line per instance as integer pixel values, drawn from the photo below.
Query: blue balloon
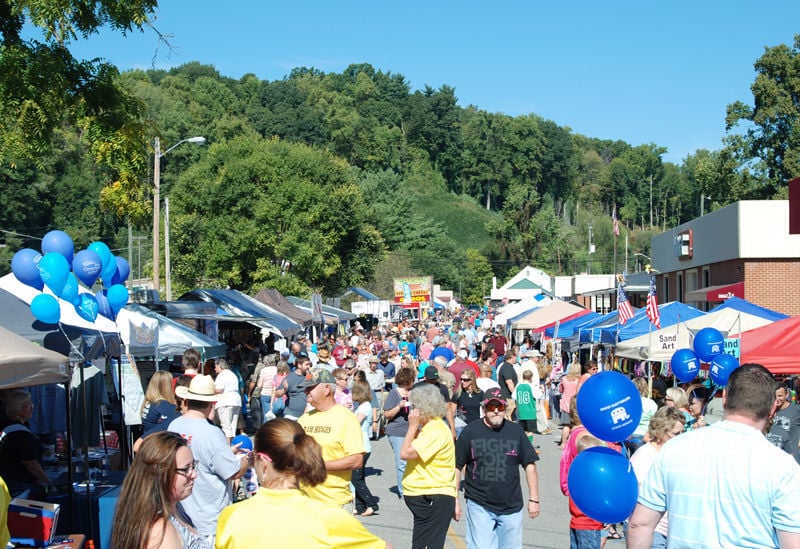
(58, 242)
(708, 343)
(103, 306)
(685, 365)
(117, 297)
(45, 308)
(71, 289)
(106, 257)
(25, 266)
(54, 269)
(86, 307)
(602, 484)
(610, 406)
(721, 368)
(123, 270)
(109, 272)
(244, 440)
(87, 265)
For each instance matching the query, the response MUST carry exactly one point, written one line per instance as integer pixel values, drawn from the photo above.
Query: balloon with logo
(685, 365)
(103, 306)
(71, 289)
(708, 343)
(58, 242)
(86, 307)
(54, 269)
(721, 368)
(117, 296)
(25, 266)
(610, 406)
(87, 265)
(123, 270)
(46, 309)
(602, 483)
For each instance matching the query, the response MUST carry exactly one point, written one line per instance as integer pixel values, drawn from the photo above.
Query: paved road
(393, 521)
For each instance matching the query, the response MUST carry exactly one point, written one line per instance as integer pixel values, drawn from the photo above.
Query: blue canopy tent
(566, 329)
(744, 306)
(671, 313)
(590, 332)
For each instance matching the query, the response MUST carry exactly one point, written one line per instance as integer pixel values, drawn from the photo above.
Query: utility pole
(651, 201)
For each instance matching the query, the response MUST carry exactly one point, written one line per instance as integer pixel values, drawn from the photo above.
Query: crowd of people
(234, 450)
(459, 404)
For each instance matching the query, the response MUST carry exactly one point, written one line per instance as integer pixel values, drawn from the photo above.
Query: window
(665, 292)
(679, 287)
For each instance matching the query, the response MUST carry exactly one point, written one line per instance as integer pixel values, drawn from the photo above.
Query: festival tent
(332, 315)
(520, 307)
(590, 331)
(23, 364)
(544, 315)
(659, 345)
(73, 336)
(671, 313)
(739, 304)
(238, 307)
(567, 325)
(147, 333)
(273, 298)
(776, 346)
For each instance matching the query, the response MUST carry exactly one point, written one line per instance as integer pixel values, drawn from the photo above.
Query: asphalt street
(393, 520)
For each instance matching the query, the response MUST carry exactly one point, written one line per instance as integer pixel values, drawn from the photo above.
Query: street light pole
(157, 204)
(156, 212)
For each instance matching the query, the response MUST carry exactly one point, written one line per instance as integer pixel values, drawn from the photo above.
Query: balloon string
(72, 345)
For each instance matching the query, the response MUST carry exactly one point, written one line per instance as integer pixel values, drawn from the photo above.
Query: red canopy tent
(563, 320)
(775, 346)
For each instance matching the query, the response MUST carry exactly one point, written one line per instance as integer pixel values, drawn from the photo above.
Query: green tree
(770, 141)
(477, 277)
(249, 204)
(43, 87)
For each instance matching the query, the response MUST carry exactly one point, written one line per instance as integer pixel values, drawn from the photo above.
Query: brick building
(744, 249)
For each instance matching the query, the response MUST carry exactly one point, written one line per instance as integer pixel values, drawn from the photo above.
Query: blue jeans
(396, 443)
(489, 530)
(659, 541)
(584, 539)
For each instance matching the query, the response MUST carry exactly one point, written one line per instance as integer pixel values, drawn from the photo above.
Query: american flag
(616, 221)
(652, 304)
(624, 309)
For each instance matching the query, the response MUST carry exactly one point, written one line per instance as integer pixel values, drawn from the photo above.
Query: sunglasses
(465, 379)
(495, 407)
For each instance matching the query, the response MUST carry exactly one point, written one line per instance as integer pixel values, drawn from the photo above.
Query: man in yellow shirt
(337, 430)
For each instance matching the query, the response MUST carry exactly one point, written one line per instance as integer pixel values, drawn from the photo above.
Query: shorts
(565, 420)
(228, 417)
(529, 425)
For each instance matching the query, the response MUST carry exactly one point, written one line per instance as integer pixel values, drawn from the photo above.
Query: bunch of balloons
(601, 480)
(708, 345)
(59, 269)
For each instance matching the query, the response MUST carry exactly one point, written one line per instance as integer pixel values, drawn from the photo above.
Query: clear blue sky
(644, 72)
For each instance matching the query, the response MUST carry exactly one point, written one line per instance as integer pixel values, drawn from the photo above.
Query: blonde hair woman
(159, 407)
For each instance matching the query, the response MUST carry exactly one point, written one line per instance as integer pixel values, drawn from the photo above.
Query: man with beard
(490, 453)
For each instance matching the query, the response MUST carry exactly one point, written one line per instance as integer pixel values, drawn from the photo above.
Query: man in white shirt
(229, 402)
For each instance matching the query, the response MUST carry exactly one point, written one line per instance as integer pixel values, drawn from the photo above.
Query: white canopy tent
(659, 345)
(514, 309)
(24, 364)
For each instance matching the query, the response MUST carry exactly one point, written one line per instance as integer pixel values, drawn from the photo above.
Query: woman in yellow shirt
(285, 455)
(429, 486)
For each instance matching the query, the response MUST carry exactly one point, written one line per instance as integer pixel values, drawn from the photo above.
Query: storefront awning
(715, 294)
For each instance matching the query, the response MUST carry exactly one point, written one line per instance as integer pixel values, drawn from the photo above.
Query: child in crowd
(526, 404)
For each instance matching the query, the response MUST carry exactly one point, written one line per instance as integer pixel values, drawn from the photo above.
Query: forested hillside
(354, 178)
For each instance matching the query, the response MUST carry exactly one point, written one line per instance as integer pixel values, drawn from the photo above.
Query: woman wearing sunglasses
(148, 512)
(280, 515)
(466, 402)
